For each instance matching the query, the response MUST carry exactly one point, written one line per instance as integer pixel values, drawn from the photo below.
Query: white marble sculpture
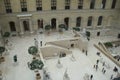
(36, 43)
(86, 76)
(73, 58)
(46, 74)
(84, 30)
(59, 65)
(65, 76)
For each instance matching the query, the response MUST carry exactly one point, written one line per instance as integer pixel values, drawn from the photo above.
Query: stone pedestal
(38, 77)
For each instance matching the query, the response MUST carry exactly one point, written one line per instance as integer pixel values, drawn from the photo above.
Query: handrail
(107, 54)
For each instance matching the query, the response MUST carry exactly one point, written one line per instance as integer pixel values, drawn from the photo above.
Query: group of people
(103, 67)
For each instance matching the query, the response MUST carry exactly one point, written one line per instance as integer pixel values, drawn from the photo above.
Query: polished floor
(76, 69)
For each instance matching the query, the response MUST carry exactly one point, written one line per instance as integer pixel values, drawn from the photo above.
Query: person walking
(97, 61)
(111, 77)
(103, 64)
(86, 53)
(91, 77)
(96, 67)
(41, 43)
(15, 58)
(104, 71)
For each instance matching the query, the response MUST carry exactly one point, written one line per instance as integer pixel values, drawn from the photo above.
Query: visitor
(98, 53)
(91, 77)
(97, 61)
(104, 71)
(115, 69)
(1, 77)
(96, 67)
(111, 78)
(103, 63)
(15, 58)
(83, 50)
(98, 43)
(41, 43)
(118, 59)
(86, 53)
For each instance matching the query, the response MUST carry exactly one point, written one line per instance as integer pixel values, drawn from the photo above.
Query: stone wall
(109, 15)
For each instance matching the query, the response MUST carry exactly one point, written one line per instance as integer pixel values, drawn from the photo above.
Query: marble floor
(75, 69)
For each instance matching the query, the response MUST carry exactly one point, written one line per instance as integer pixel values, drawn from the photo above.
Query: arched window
(40, 23)
(89, 21)
(53, 23)
(12, 26)
(78, 22)
(66, 22)
(113, 4)
(26, 25)
(100, 20)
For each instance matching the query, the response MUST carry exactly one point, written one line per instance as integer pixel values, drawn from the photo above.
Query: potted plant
(47, 28)
(2, 49)
(5, 36)
(61, 27)
(108, 44)
(36, 64)
(76, 28)
(33, 50)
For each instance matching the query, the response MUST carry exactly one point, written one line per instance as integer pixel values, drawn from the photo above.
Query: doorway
(26, 25)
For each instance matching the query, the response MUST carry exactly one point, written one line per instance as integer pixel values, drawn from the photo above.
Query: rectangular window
(53, 4)
(92, 4)
(39, 5)
(67, 4)
(80, 4)
(23, 5)
(113, 4)
(8, 6)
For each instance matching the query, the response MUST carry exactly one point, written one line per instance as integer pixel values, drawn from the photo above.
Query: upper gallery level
(24, 6)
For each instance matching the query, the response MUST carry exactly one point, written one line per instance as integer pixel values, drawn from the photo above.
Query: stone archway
(53, 23)
(12, 26)
(40, 23)
(26, 25)
(66, 21)
(78, 21)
